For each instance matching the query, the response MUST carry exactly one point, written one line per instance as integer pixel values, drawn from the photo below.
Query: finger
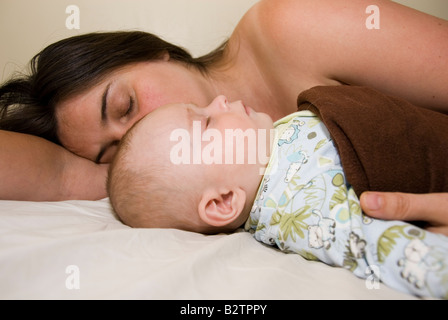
(431, 207)
(441, 230)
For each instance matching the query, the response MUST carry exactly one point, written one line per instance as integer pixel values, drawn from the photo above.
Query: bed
(81, 250)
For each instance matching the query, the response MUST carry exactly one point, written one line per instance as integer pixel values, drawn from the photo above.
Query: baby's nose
(220, 103)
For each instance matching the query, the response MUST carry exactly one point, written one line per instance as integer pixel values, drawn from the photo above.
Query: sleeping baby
(222, 167)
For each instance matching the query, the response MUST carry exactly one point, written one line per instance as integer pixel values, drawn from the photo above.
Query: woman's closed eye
(126, 109)
(130, 107)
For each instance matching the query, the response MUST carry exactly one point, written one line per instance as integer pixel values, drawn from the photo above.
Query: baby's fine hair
(150, 195)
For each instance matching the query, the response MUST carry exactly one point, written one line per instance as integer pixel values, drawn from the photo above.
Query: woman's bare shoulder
(387, 46)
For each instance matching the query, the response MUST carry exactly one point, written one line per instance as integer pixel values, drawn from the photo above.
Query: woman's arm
(311, 42)
(34, 169)
(306, 43)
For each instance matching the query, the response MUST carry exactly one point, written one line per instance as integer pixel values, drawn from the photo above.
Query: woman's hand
(431, 208)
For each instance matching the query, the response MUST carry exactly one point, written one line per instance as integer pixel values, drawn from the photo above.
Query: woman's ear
(220, 208)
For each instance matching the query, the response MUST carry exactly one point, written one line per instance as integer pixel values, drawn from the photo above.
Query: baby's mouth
(247, 109)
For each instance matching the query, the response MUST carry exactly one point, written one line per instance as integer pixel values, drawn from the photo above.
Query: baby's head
(191, 168)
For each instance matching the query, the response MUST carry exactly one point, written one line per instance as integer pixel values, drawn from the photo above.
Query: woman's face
(91, 124)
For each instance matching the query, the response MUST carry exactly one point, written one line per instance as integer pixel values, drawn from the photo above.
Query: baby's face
(229, 141)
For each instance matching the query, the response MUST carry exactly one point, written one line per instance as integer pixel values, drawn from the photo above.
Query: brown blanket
(385, 144)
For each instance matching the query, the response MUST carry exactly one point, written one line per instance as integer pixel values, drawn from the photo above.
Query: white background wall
(438, 8)
(26, 27)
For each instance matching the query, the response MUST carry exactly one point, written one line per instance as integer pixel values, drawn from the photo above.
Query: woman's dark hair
(70, 66)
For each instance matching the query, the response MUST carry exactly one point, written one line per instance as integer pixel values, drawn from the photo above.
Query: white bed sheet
(40, 241)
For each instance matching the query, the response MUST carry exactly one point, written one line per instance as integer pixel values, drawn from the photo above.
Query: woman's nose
(117, 132)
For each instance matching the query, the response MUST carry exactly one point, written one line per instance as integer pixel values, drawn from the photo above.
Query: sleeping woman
(60, 124)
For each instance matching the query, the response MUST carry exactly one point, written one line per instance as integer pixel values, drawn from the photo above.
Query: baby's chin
(269, 123)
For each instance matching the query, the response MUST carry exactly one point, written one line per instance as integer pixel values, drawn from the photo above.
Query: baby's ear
(220, 208)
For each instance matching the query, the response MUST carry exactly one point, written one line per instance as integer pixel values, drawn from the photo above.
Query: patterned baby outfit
(305, 205)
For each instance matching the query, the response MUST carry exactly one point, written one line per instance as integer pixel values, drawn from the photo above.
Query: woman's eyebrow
(103, 119)
(104, 105)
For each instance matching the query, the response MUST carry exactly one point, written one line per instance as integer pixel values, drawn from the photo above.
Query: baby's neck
(251, 199)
